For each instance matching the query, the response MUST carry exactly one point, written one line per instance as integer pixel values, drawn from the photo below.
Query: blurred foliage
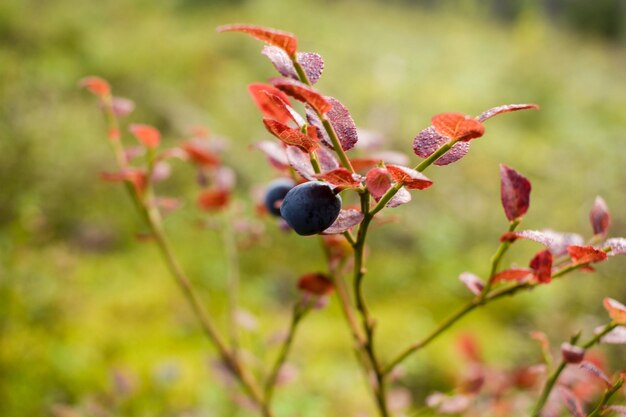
(90, 318)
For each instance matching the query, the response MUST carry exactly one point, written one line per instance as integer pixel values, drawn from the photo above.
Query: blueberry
(276, 191)
(310, 208)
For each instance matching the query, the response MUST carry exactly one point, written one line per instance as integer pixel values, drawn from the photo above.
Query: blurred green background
(92, 325)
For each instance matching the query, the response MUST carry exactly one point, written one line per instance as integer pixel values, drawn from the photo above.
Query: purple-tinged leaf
(617, 310)
(408, 177)
(327, 159)
(572, 353)
(449, 404)
(314, 120)
(122, 106)
(340, 177)
(284, 40)
(585, 254)
(313, 65)
(401, 197)
(342, 123)
(557, 242)
(617, 336)
(600, 217)
(597, 372)
(281, 61)
(571, 401)
(303, 93)
(619, 409)
(617, 245)
(472, 282)
(488, 114)
(347, 219)
(541, 264)
(428, 141)
(275, 153)
(515, 192)
(458, 126)
(300, 162)
(377, 182)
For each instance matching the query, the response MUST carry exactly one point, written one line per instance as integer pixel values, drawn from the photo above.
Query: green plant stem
(606, 398)
(152, 217)
(315, 163)
(332, 135)
(551, 382)
(495, 260)
(465, 310)
(299, 311)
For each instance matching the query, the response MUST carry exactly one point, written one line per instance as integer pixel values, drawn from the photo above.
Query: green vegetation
(88, 314)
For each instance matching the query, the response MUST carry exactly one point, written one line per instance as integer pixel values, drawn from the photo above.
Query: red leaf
(147, 135)
(294, 137)
(315, 284)
(572, 403)
(515, 192)
(96, 85)
(300, 162)
(513, 274)
(347, 220)
(410, 178)
(401, 197)
(377, 182)
(458, 126)
(339, 177)
(363, 164)
(617, 245)
(263, 95)
(616, 310)
(199, 155)
(213, 199)
(541, 264)
(284, 40)
(488, 114)
(275, 153)
(303, 93)
(472, 282)
(600, 217)
(313, 65)
(585, 254)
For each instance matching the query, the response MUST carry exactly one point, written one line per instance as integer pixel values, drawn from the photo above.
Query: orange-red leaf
(315, 284)
(147, 135)
(410, 178)
(271, 101)
(284, 40)
(458, 126)
(616, 310)
(199, 155)
(136, 177)
(585, 254)
(294, 137)
(377, 182)
(340, 177)
(513, 274)
(213, 199)
(96, 85)
(303, 93)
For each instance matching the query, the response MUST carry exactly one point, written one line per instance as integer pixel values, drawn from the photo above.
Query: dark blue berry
(310, 208)
(276, 192)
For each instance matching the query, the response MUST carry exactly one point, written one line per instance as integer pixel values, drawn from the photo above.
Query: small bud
(572, 353)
